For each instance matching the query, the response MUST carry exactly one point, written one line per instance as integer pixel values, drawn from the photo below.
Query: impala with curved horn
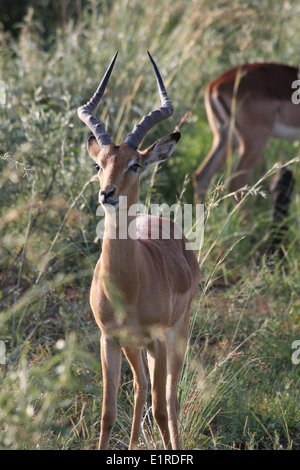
(261, 94)
(156, 278)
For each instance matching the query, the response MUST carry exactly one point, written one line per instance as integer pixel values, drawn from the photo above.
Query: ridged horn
(85, 112)
(166, 110)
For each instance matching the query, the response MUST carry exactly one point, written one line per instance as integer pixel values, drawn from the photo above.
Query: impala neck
(119, 251)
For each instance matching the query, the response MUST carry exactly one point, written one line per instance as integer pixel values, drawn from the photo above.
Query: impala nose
(106, 196)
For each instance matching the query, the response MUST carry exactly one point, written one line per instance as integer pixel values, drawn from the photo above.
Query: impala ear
(93, 146)
(160, 150)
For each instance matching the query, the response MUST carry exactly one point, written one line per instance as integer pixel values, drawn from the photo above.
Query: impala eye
(98, 167)
(134, 167)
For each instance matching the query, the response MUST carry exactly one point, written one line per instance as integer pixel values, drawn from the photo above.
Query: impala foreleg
(111, 369)
(176, 342)
(157, 361)
(139, 366)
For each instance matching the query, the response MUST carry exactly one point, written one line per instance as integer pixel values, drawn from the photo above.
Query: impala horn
(85, 112)
(166, 110)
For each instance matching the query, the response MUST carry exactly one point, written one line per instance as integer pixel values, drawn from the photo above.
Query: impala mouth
(108, 203)
(115, 204)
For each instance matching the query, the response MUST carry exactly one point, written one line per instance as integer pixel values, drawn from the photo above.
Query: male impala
(157, 278)
(261, 94)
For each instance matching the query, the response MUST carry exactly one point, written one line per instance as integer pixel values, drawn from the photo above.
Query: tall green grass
(239, 388)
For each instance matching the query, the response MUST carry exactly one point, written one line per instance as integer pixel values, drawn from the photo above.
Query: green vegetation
(239, 388)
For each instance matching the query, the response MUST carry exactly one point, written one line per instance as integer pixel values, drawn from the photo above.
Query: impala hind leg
(157, 361)
(215, 159)
(251, 150)
(139, 366)
(111, 369)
